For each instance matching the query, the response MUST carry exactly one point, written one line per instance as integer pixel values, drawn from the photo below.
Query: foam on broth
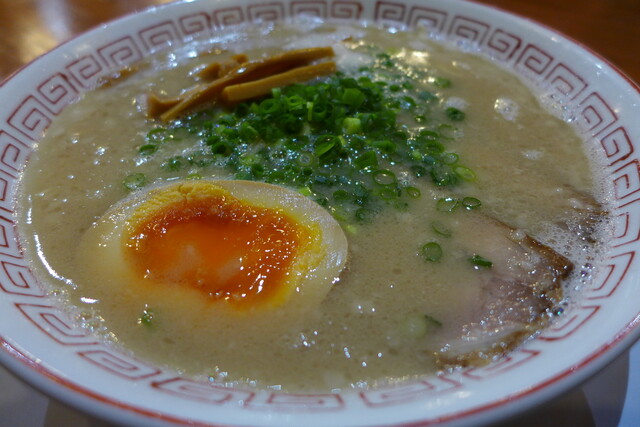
(532, 173)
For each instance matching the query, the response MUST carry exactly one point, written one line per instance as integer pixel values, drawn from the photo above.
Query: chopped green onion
(363, 214)
(222, 148)
(295, 102)
(431, 251)
(270, 106)
(389, 193)
(309, 111)
(351, 125)
(175, 163)
(367, 159)
(385, 146)
(146, 318)
(341, 140)
(449, 158)
(325, 147)
(480, 262)
(384, 177)
(305, 191)
(446, 131)
(353, 97)
(433, 320)
(440, 229)
(341, 195)
(464, 173)
(441, 82)
(415, 326)
(413, 192)
(426, 96)
(247, 132)
(471, 203)
(446, 204)
(135, 181)
(455, 114)
(147, 149)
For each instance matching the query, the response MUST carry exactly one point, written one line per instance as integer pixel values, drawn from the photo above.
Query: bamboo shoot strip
(253, 89)
(215, 70)
(157, 106)
(248, 71)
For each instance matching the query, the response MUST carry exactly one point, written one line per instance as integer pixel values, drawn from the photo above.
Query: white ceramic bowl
(41, 345)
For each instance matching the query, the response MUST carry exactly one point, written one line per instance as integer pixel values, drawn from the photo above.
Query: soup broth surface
(389, 315)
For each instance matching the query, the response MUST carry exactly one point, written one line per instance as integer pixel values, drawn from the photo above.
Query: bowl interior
(43, 345)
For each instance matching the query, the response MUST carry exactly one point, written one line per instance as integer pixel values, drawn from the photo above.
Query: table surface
(29, 28)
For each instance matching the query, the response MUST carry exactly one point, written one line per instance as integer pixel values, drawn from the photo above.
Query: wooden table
(29, 28)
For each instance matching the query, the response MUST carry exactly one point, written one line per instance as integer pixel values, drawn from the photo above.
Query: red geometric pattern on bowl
(7, 184)
(32, 115)
(609, 276)
(57, 92)
(160, 36)
(432, 387)
(124, 366)
(228, 16)
(626, 181)
(324, 9)
(626, 226)
(429, 18)
(617, 145)
(16, 278)
(195, 25)
(569, 323)
(596, 114)
(266, 12)
(502, 45)
(202, 391)
(85, 70)
(120, 53)
(13, 154)
(8, 243)
(387, 12)
(299, 402)
(533, 62)
(346, 9)
(511, 361)
(565, 81)
(468, 29)
(53, 322)
(31, 118)
(317, 8)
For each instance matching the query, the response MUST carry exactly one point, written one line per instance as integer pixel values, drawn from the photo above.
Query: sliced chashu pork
(518, 292)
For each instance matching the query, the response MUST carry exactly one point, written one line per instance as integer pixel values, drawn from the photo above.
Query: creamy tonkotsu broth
(436, 277)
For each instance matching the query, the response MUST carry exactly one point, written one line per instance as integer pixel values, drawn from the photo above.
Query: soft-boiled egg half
(241, 245)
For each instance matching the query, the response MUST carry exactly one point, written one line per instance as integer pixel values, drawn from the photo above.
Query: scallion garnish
(146, 319)
(455, 114)
(441, 229)
(431, 251)
(135, 181)
(471, 203)
(432, 320)
(480, 262)
(347, 140)
(446, 204)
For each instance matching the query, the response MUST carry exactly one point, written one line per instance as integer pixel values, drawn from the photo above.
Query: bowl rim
(56, 385)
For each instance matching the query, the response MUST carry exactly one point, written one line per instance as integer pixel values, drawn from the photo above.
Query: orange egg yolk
(227, 249)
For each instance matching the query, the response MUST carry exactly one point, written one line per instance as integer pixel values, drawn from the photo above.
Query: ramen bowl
(43, 344)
